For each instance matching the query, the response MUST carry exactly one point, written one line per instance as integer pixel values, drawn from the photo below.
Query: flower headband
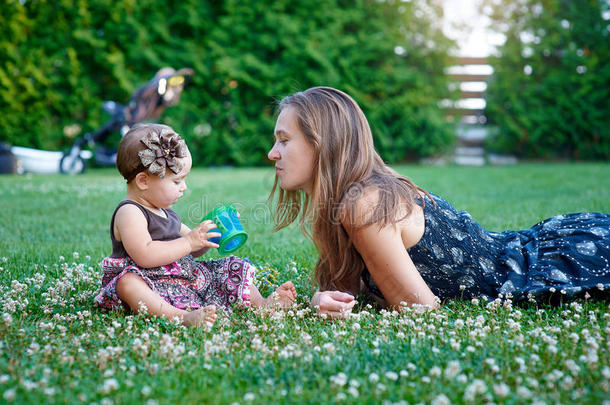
(162, 150)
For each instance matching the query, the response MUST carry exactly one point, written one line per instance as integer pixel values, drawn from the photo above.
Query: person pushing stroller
(147, 103)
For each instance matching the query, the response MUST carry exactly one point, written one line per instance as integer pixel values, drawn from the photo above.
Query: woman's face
(293, 155)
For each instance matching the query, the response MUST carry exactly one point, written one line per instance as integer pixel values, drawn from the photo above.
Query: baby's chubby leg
(134, 291)
(285, 295)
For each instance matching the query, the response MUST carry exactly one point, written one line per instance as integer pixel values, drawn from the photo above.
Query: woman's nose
(273, 154)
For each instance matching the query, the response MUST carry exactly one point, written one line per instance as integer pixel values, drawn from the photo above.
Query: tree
(550, 93)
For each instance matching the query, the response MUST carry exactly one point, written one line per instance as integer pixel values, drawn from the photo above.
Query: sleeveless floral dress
(186, 284)
(563, 257)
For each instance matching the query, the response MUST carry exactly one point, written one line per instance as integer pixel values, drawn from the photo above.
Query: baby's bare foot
(284, 296)
(201, 317)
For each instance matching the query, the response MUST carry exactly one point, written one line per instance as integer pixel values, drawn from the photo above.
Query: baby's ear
(142, 180)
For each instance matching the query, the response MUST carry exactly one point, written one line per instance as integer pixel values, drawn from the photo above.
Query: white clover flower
(404, 373)
(532, 382)
(373, 377)
(7, 318)
(109, 385)
(390, 375)
(501, 390)
(524, 392)
(453, 368)
(329, 347)
(568, 382)
(440, 399)
(249, 396)
(475, 388)
(339, 379)
(341, 396)
(353, 391)
(435, 371)
(29, 385)
(10, 394)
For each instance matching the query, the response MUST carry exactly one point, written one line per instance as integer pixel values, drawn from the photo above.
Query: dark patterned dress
(562, 257)
(186, 284)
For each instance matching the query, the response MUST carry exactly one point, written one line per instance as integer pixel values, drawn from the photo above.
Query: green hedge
(60, 59)
(550, 93)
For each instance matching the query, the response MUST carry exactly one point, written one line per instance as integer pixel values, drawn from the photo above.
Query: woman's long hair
(346, 165)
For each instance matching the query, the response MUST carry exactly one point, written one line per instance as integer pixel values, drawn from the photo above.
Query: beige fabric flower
(163, 150)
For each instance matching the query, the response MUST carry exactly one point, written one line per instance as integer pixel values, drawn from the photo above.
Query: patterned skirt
(186, 284)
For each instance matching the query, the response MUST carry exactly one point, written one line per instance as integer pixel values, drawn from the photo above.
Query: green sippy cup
(233, 234)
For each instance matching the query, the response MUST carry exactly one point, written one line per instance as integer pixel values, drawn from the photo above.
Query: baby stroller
(147, 102)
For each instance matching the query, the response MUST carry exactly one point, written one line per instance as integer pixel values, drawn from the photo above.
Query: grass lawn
(56, 347)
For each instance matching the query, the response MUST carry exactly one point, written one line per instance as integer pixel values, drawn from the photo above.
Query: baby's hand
(199, 237)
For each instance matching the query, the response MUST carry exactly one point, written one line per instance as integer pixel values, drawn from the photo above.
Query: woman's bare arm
(388, 261)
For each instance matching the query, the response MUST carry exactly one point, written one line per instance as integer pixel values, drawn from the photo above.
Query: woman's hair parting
(151, 147)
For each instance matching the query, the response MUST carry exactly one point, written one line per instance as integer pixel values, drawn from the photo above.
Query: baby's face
(167, 190)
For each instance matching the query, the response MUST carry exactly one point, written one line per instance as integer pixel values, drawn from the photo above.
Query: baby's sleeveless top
(159, 228)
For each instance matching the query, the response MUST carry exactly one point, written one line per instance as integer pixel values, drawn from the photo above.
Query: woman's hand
(335, 304)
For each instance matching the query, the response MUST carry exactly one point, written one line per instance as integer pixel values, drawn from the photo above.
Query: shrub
(59, 60)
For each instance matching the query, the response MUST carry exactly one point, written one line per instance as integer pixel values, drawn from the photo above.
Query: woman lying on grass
(152, 263)
(378, 232)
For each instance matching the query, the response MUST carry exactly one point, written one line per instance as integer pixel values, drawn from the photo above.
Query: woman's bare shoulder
(357, 209)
